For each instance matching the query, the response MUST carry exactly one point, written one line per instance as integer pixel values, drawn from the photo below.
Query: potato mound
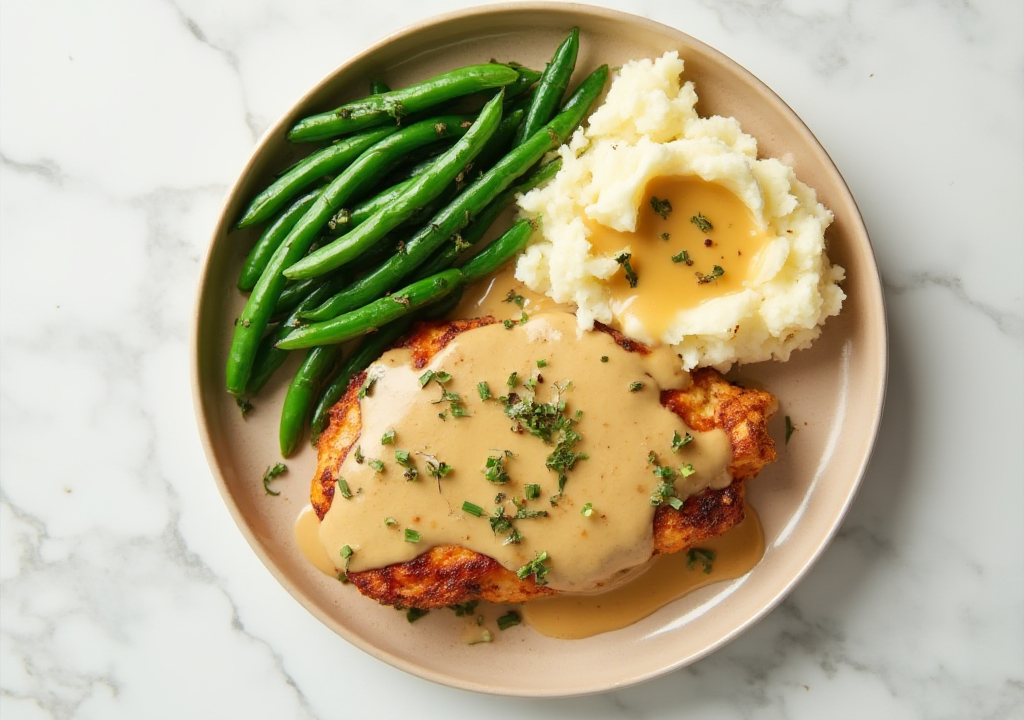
(648, 128)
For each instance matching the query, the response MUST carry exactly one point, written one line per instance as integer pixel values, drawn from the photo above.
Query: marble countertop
(126, 589)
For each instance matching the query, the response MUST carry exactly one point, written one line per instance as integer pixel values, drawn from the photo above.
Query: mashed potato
(648, 129)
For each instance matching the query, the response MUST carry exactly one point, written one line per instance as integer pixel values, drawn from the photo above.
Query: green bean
(524, 82)
(472, 234)
(298, 401)
(551, 87)
(499, 252)
(331, 159)
(394, 105)
(268, 357)
(369, 349)
(425, 188)
(257, 259)
(498, 144)
(370, 317)
(370, 166)
(293, 294)
(471, 202)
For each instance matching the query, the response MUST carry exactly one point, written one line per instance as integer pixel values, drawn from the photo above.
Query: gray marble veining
(125, 590)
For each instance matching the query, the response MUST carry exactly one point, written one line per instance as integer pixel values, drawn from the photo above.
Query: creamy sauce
(669, 578)
(390, 519)
(490, 296)
(665, 287)
(307, 537)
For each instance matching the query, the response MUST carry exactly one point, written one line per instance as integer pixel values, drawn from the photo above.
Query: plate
(833, 392)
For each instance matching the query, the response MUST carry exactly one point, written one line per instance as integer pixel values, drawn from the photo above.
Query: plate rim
(285, 120)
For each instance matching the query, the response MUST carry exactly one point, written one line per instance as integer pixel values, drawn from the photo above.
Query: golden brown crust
(429, 338)
(712, 402)
(703, 516)
(445, 575)
(450, 574)
(336, 441)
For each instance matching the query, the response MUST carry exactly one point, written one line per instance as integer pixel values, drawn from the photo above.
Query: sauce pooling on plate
(669, 577)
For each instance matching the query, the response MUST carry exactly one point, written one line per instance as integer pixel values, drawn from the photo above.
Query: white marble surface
(126, 590)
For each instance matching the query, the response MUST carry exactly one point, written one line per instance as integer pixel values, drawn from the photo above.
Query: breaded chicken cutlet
(449, 574)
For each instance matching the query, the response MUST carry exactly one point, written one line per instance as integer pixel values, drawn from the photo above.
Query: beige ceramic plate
(833, 392)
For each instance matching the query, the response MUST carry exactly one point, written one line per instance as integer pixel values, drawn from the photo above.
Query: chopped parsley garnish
(436, 468)
(542, 363)
(524, 514)
(540, 419)
(454, 400)
(789, 429)
(666, 490)
(678, 443)
(686, 470)
(502, 523)
(509, 619)
(346, 555)
(716, 272)
(682, 257)
(388, 438)
(587, 510)
(411, 474)
(537, 568)
(563, 459)
(499, 522)
(664, 472)
(464, 609)
(426, 378)
(663, 492)
(662, 207)
(631, 277)
(484, 390)
(509, 324)
(703, 556)
(412, 536)
(702, 223)
(414, 614)
(472, 508)
(514, 297)
(377, 465)
(604, 358)
(442, 377)
(636, 386)
(664, 236)
(549, 422)
(271, 474)
(513, 380)
(367, 386)
(390, 521)
(494, 470)
(532, 491)
(523, 318)
(359, 454)
(343, 488)
(402, 457)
